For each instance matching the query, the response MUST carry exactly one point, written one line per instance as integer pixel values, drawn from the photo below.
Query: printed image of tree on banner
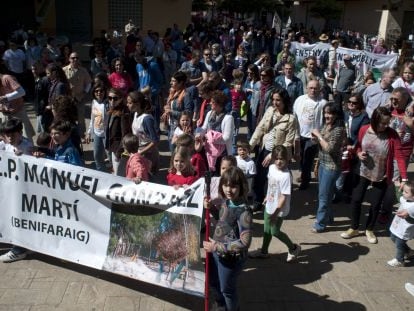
(163, 249)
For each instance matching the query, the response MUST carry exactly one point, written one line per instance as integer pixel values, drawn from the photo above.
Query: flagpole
(207, 180)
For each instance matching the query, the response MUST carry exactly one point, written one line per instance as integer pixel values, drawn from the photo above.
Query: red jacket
(394, 151)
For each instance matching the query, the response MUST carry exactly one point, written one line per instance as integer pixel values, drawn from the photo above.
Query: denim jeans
(402, 247)
(324, 214)
(378, 192)
(308, 151)
(99, 152)
(224, 277)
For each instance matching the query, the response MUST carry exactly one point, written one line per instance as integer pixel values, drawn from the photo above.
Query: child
(198, 155)
(402, 226)
(237, 97)
(184, 126)
(43, 142)
(65, 151)
(137, 167)
(231, 239)
(245, 163)
(181, 172)
(277, 205)
(14, 141)
(406, 79)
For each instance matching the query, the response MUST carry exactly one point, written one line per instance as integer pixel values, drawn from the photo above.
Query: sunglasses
(99, 91)
(115, 98)
(352, 102)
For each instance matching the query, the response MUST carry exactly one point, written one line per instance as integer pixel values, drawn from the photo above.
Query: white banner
(304, 50)
(363, 60)
(96, 219)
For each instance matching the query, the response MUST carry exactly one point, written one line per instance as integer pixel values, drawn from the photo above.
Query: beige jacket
(286, 129)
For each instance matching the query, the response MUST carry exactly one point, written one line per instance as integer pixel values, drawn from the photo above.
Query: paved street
(330, 274)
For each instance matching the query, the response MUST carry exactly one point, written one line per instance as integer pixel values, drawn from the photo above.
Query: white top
(227, 130)
(279, 182)
(246, 165)
(25, 146)
(309, 114)
(97, 119)
(401, 227)
(401, 83)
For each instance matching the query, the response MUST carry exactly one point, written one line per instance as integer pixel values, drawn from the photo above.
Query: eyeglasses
(207, 54)
(99, 91)
(115, 98)
(352, 102)
(74, 57)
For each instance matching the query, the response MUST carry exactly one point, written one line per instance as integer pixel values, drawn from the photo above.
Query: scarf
(177, 96)
(214, 122)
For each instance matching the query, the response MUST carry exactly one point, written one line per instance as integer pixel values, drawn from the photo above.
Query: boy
(65, 151)
(402, 226)
(12, 131)
(246, 164)
(14, 141)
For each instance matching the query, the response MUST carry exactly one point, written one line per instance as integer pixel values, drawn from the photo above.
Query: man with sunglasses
(344, 81)
(80, 84)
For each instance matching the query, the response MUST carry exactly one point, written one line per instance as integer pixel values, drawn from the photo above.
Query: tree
(329, 10)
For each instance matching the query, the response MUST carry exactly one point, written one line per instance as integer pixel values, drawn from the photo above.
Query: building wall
(360, 15)
(157, 15)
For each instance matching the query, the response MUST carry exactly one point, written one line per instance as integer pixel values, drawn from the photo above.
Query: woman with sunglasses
(355, 117)
(96, 131)
(117, 126)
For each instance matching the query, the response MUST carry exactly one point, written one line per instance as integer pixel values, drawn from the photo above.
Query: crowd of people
(196, 86)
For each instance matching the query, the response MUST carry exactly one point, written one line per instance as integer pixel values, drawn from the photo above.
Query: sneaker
(258, 254)
(292, 255)
(410, 254)
(371, 237)
(350, 233)
(409, 288)
(395, 263)
(11, 256)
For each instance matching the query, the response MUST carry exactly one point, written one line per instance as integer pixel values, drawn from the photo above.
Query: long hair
(234, 176)
(184, 153)
(335, 110)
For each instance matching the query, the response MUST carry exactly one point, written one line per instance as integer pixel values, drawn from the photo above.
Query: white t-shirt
(401, 227)
(309, 114)
(249, 169)
(279, 182)
(246, 165)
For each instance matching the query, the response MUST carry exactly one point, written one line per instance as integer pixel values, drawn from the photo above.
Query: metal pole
(207, 180)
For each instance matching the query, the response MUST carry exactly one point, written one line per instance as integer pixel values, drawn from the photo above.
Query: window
(120, 11)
